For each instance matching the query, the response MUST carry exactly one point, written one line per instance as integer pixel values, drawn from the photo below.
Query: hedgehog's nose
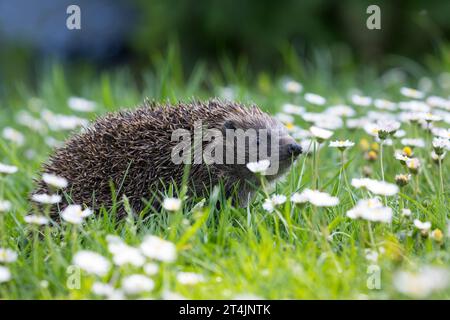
(294, 149)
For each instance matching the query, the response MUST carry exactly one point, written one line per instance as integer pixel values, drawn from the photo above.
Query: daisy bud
(440, 145)
(386, 128)
(406, 212)
(436, 157)
(375, 146)
(371, 155)
(383, 134)
(437, 235)
(402, 179)
(364, 144)
(367, 171)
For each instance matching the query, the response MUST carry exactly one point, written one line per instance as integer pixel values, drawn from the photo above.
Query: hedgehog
(132, 152)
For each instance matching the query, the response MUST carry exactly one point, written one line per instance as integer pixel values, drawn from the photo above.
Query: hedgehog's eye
(229, 124)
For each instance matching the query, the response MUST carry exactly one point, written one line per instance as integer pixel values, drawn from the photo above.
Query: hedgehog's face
(263, 139)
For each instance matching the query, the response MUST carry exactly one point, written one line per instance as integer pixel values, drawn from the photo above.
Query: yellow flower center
(290, 125)
(407, 151)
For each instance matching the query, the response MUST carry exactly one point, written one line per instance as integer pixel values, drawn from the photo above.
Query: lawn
(399, 249)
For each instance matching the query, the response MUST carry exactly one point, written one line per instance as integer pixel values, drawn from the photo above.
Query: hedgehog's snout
(294, 149)
(289, 148)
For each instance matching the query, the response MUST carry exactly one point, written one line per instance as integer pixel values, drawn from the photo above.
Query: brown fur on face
(132, 150)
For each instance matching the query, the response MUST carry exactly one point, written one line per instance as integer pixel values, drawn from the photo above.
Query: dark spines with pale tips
(132, 150)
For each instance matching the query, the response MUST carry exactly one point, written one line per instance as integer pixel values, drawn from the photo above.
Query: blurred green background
(261, 33)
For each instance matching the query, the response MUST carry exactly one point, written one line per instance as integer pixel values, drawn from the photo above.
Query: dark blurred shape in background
(131, 32)
(40, 26)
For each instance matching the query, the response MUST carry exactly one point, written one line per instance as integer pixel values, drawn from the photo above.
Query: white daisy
(413, 142)
(159, 249)
(399, 134)
(7, 255)
(429, 117)
(151, 268)
(46, 198)
(422, 226)
(137, 283)
(320, 134)
(329, 122)
(258, 166)
(92, 262)
(292, 86)
(412, 93)
(81, 104)
(172, 204)
(189, 278)
(14, 136)
(278, 199)
(36, 219)
(387, 127)
(384, 104)
(54, 180)
(102, 289)
(7, 169)
(268, 205)
(341, 111)
(299, 198)
(293, 109)
(315, 99)
(422, 283)
(27, 120)
(436, 101)
(371, 255)
(415, 107)
(124, 254)
(5, 274)
(413, 164)
(59, 122)
(5, 206)
(371, 210)
(441, 132)
(316, 198)
(74, 214)
(312, 117)
(170, 295)
(440, 145)
(341, 144)
(361, 101)
(375, 186)
(272, 202)
(401, 157)
(284, 118)
(406, 212)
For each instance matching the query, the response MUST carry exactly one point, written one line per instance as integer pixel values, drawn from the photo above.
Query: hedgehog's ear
(229, 124)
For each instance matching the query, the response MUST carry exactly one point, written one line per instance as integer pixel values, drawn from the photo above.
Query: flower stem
(382, 167)
(341, 173)
(381, 160)
(316, 164)
(416, 185)
(440, 175)
(372, 239)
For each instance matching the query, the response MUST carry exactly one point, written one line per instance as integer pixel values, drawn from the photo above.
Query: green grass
(239, 251)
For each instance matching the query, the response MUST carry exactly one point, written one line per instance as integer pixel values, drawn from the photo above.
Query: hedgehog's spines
(142, 137)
